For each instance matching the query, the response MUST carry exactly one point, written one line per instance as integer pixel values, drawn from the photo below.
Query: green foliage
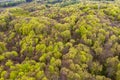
(40, 75)
(44, 78)
(60, 41)
(13, 75)
(43, 57)
(41, 48)
(81, 31)
(9, 63)
(10, 54)
(2, 47)
(2, 57)
(96, 68)
(51, 69)
(3, 73)
(66, 34)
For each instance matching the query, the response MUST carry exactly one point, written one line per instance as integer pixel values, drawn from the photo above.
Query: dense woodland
(54, 42)
(10, 3)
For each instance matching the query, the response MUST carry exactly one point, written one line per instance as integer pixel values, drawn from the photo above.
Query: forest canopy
(55, 42)
(9, 3)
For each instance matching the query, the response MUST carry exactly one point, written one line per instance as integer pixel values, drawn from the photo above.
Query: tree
(66, 35)
(2, 47)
